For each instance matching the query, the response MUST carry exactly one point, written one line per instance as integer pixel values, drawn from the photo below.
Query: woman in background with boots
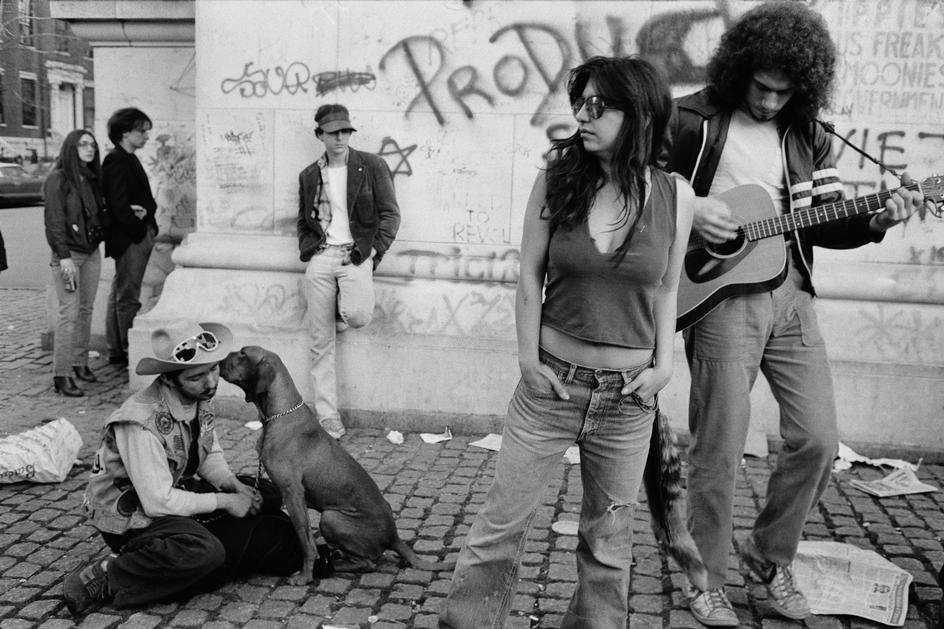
(74, 216)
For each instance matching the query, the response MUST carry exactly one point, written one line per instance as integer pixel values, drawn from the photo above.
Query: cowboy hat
(184, 345)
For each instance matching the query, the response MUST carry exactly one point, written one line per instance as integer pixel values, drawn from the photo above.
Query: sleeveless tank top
(588, 295)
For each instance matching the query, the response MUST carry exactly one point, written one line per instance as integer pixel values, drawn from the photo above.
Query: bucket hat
(184, 345)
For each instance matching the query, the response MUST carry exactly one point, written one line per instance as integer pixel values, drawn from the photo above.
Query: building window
(88, 105)
(28, 94)
(63, 36)
(26, 22)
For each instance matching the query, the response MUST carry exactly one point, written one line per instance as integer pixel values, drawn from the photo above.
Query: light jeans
(124, 300)
(612, 432)
(335, 288)
(74, 322)
(776, 333)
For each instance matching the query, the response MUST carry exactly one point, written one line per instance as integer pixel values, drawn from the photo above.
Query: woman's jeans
(337, 290)
(74, 323)
(613, 434)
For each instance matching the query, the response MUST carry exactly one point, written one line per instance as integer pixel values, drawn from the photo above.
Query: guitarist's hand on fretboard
(713, 220)
(898, 208)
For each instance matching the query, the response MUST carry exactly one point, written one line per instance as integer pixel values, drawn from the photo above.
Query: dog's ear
(264, 376)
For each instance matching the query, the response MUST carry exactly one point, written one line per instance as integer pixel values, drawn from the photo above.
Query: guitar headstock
(933, 190)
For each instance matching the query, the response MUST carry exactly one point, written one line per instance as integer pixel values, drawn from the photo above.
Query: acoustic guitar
(755, 260)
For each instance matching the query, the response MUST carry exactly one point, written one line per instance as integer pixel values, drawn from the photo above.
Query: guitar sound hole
(727, 249)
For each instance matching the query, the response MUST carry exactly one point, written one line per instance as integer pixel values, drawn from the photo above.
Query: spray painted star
(390, 147)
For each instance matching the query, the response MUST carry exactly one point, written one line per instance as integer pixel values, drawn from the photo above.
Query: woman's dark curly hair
(786, 36)
(574, 176)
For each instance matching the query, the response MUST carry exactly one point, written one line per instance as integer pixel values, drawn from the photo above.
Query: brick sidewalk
(435, 490)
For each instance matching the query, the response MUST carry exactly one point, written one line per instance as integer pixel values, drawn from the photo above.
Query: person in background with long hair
(604, 237)
(75, 221)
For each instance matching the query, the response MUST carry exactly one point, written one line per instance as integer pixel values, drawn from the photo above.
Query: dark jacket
(692, 147)
(74, 217)
(124, 183)
(371, 206)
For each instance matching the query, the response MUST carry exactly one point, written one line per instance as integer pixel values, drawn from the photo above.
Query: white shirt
(339, 230)
(751, 154)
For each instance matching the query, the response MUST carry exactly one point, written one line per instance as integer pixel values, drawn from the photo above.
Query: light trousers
(336, 290)
(777, 334)
(74, 319)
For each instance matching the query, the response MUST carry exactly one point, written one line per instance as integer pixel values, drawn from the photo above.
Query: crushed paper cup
(565, 527)
(429, 437)
(395, 437)
(572, 455)
(490, 441)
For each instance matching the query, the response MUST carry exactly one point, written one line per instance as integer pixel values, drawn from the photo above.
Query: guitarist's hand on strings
(899, 207)
(713, 221)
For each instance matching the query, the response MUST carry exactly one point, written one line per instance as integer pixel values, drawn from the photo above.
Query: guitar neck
(777, 225)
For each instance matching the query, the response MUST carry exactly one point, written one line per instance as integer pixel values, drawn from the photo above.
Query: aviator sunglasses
(186, 350)
(595, 106)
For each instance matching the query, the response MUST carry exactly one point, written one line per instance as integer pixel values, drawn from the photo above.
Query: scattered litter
(846, 457)
(429, 437)
(572, 455)
(395, 437)
(490, 441)
(898, 483)
(44, 454)
(841, 578)
(253, 425)
(565, 527)
(93, 353)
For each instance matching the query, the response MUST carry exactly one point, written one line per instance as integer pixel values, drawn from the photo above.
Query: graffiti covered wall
(461, 100)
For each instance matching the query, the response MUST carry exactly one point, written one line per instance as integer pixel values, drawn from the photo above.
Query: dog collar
(266, 420)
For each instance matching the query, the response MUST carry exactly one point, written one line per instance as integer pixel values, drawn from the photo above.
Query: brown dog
(313, 470)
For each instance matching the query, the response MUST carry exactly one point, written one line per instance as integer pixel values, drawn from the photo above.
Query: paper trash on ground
(429, 437)
(845, 579)
(572, 455)
(491, 441)
(395, 437)
(846, 456)
(253, 425)
(898, 483)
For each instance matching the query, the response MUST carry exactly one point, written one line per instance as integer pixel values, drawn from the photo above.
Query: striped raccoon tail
(663, 482)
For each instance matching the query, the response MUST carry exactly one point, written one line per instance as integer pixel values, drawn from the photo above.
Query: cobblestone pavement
(435, 490)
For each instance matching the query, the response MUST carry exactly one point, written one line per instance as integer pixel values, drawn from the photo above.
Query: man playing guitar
(754, 123)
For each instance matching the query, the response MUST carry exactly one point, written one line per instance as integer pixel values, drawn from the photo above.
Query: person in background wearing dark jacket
(755, 123)
(74, 218)
(347, 218)
(130, 238)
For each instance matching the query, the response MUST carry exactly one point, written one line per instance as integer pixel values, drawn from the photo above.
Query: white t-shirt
(751, 154)
(339, 230)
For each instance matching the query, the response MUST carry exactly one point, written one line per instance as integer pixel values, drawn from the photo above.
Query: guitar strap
(831, 129)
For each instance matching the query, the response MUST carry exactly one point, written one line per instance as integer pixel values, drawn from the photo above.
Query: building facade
(461, 98)
(46, 81)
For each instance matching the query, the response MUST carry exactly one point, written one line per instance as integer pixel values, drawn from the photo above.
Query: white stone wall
(460, 98)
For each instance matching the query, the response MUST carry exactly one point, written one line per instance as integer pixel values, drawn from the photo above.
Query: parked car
(17, 185)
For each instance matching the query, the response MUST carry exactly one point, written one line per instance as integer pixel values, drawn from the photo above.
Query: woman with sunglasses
(604, 237)
(74, 217)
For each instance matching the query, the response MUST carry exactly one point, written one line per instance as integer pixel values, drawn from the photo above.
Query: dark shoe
(84, 373)
(66, 386)
(86, 586)
(120, 360)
